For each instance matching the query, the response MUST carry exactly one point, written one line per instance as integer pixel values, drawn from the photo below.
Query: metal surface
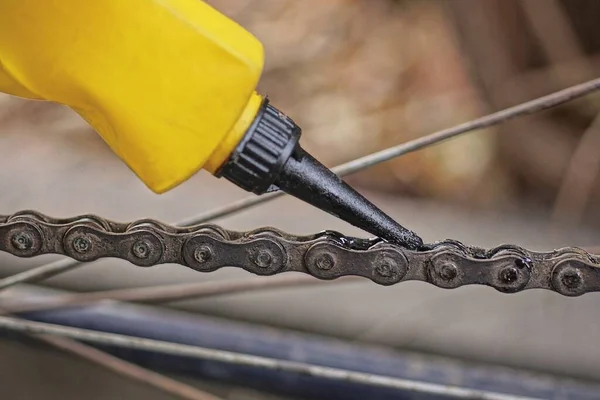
(177, 349)
(124, 368)
(329, 255)
(277, 344)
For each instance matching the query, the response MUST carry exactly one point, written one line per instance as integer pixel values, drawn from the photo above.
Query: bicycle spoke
(127, 369)
(359, 164)
(170, 293)
(579, 178)
(232, 208)
(530, 107)
(39, 273)
(131, 342)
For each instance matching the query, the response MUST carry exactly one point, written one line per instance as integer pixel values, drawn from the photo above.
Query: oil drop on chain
(328, 255)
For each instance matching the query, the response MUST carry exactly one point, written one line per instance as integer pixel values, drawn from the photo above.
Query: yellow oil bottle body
(168, 84)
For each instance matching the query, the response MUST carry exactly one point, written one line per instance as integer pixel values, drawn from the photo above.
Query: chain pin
(508, 275)
(203, 254)
(263, 258)
(384, 269)
(572, 280)
(389, 268)
(140, 249)
(22, 241)
(82, 244)
(444, 271)
(568, 280)
(325, 261)
(448, 271)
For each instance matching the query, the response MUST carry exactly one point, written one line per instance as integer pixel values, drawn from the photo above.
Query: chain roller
(328, 255)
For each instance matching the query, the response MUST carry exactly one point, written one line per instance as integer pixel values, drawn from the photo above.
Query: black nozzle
(270, 158)
(305, 178)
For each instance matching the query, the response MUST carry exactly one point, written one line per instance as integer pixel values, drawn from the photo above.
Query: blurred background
(359, 76)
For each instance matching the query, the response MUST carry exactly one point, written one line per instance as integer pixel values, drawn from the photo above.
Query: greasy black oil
(348, 242)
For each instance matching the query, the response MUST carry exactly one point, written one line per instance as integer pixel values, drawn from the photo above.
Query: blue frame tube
(173, 326)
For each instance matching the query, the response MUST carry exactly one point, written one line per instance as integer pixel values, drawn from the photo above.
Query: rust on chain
(327, 255)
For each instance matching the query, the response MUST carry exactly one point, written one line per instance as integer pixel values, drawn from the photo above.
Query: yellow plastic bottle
(169, 84)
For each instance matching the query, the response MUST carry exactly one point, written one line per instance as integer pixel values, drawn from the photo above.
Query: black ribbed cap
(257, 161)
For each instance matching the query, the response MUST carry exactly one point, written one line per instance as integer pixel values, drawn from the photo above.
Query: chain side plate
(328, 255)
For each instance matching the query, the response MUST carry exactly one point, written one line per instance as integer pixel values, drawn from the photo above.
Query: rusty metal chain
(327, 255)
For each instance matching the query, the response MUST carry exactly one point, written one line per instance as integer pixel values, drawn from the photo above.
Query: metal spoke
(39, 273)
(169, 293)
(112, 339)
(232, 208)
(530, 107)
(579, 178)
(124, 368)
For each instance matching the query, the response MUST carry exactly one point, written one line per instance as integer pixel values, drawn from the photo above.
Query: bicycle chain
(327, 255)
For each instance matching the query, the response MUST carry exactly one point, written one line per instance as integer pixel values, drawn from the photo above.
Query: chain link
(328, 255)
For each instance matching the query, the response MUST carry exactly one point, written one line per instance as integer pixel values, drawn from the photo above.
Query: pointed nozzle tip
(304, 177)
(397, 234)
